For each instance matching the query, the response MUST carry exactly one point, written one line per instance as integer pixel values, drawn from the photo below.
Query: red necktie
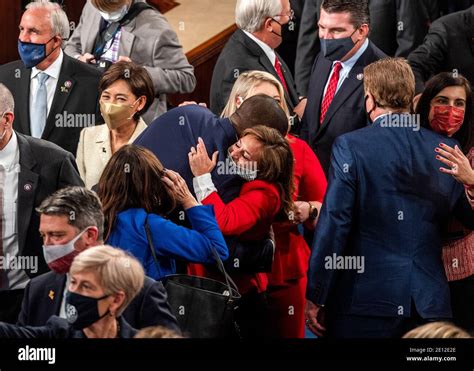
(280, 73)
(330, 91)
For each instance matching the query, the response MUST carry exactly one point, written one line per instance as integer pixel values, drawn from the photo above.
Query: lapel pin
(65, 88)
(51, 294)
(27, 187)
(360, 76)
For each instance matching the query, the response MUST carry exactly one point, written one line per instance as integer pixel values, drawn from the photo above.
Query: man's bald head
(260, 110)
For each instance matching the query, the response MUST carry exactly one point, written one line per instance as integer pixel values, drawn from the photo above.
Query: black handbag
(203, 307)
(250, 256)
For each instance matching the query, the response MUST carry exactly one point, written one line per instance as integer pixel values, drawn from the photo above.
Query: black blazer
(347, 110)
(385, 31)
(45, 168)
(449, 46)
(79, 99)
(43, 296)
(242, 54)
(57, 328)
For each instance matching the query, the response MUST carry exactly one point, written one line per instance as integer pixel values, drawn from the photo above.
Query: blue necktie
(39, 109)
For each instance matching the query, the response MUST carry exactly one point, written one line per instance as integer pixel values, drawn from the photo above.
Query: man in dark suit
(252, 47)
(31, 169)
(336, 98)
(376, 268)
(448, 47)
(397, 27)
(44, 295)
(56, 95)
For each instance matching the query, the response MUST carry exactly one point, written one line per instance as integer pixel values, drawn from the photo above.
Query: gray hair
(7, 103)
(59, 20)
(250, 14)
(81, 206)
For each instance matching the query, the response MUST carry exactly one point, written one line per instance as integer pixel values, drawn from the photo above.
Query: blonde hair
(109, 5)
(246, 83)
(391, 82)
(437, 330)
(116, 271)
(157, 332)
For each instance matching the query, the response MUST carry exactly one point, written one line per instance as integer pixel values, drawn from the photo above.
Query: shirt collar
(53, 70)
(8, 155)
(352, 60)
(270, 53)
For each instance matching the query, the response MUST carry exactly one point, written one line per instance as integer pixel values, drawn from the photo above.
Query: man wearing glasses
(252, 47)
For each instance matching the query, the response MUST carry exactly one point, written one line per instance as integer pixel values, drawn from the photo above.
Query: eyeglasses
(291, 15)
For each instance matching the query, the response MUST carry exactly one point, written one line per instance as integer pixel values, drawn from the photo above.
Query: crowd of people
(352, 162)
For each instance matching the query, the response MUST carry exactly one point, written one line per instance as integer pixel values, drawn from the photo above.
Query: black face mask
(82, 311)
(336, 49)
(284, 28)
(372, 110)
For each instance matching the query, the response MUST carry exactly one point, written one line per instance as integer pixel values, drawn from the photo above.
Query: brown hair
(358, 9)
(135, 76)
(157, 332)
(276, 163)
(391, 82)
(109, 5)
(133, 179)
(437, 330)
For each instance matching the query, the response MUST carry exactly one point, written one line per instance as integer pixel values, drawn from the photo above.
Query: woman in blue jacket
(135, 190)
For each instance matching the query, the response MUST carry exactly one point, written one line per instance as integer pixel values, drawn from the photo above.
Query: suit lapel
(126, 39)
(27, 187)
(325, 66)
(53, 294)
(64, 88)
(23, 101)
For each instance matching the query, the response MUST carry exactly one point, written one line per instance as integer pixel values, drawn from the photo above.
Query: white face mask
(246, 173)
(115, 16)
(55, 252)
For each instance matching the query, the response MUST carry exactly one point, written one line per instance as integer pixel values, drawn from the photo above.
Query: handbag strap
(150, 242)
(228, 280)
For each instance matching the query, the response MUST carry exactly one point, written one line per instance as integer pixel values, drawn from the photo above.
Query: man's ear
(91, 235)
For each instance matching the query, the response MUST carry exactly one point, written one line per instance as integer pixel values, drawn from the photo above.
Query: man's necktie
(330, 91)
(39, 110)
(280, 73)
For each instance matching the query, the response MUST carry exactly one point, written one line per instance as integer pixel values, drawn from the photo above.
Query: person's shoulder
(376, 51)
(43, 279)
(91, 132)
(260, 185)
(45, 150)
(10, 69)
(81, 69)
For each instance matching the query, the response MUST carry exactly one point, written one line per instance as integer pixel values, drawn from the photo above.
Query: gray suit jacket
(147, 40)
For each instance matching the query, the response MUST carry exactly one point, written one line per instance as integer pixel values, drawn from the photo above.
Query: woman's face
(246, 152)
(452, 96)
(118, 93)
(86, 283)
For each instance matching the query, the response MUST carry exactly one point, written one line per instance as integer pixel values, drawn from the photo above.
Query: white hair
(250, 14)
(7, 103)
(59, 20)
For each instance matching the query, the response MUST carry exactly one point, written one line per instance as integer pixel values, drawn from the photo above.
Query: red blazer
(292, 252)
(250, 217)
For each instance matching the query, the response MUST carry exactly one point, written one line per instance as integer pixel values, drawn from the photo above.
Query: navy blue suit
(171, 136)
(347, 110)
(387, 203)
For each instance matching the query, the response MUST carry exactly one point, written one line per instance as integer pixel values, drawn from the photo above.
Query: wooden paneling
(203, 58)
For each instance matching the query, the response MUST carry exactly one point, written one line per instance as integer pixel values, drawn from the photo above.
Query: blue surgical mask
(32, 54)
(82, 311)
(115, 16)
(336, 49)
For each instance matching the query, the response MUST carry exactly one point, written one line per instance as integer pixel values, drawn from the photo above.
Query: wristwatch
(313, 211)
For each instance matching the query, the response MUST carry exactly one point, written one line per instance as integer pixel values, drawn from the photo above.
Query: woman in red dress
(264, 158)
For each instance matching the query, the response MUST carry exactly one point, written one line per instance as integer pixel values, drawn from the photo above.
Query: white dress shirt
(53, 73)
(346, 67)
(62, 309)
(10, 165)
(269, 52)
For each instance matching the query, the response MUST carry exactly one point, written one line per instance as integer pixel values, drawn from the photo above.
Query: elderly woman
(446, 107)
(126, 91)
(104, 280)
(137, 194)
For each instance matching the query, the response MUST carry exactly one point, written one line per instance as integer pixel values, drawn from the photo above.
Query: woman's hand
(460, 166)
(179, 189)
(199, 160)
(301, 211)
